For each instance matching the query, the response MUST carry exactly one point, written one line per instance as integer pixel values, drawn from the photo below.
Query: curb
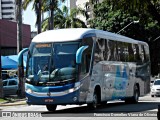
(13, 104)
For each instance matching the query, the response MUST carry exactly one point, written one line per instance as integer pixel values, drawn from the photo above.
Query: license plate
(48, 100)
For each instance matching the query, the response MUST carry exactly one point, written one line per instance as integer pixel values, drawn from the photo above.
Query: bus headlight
(29, 90)
(76, 87)
(71, 90)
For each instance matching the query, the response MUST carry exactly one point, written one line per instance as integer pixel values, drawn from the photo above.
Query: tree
(43, 6)
(1, 83)
(64, 19)
(140, 6)
(37, 6)
(19, 47)
(19, 26)
(53, 6)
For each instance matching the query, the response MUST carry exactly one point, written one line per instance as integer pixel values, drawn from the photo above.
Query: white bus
(85, 66)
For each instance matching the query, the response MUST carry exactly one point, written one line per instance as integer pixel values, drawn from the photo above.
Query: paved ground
(146, 105)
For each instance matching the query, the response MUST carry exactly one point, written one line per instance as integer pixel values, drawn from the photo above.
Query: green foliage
(109, 19)
(64, 19)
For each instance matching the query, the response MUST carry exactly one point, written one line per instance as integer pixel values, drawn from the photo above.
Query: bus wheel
(134, 98)
(94, 103)
(51, 107)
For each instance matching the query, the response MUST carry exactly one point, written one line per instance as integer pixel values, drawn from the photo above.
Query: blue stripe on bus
(125, 78)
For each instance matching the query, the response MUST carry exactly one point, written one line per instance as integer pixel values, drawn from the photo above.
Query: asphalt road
(146, 109)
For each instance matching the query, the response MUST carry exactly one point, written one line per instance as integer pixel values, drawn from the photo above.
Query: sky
(29, 17)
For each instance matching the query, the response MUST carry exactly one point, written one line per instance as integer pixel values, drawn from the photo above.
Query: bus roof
(75, 34)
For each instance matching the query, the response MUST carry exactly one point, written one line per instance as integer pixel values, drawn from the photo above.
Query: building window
(8, 13)
(7, 2)
(6, 8)
(8, 18)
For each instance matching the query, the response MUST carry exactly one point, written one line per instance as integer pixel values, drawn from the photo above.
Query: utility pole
(19, 48)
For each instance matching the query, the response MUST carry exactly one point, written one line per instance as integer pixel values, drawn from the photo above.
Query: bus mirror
(79, 54)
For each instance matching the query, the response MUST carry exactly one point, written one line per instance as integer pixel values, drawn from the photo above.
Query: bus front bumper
(47, 98)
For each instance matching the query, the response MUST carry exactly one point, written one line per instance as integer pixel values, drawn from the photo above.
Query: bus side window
(137, 55)
(85, 63)
(100, 51)
(86, 58)
(112, 50)
(121, 51)
(146, 49)
(131, 53)
(144, 53)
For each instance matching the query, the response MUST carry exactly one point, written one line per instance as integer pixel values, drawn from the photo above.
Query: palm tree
(19, 47)
(37, 6)
(42, 6)
(64, 19)
(53, 6)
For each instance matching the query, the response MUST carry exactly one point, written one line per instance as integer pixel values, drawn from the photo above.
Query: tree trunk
(19, 26)
(51, 14)
(21, 92)
(1, 84)
(38, 12)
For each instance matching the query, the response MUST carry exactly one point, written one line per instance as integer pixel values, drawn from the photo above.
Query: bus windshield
(52, 63)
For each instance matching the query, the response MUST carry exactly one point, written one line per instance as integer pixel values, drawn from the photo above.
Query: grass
(9, 99)
(2, 100)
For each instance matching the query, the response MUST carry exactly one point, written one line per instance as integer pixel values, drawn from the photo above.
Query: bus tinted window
(86, 55)
(112, 50)
(131, 57)
(146, 49)
(123, 51)
(100, 50)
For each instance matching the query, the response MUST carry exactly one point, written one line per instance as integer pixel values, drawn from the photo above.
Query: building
(8, 9)
(8, 37)
(82, 4)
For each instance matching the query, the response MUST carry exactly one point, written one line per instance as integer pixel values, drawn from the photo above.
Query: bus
(85, 66)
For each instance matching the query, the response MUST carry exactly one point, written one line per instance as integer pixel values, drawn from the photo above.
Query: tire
(51, 108)
(135, 98)
(94, 103)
